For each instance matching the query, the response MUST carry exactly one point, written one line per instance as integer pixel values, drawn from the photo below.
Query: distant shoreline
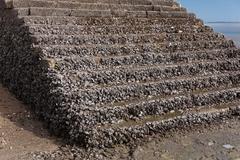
(230, 29)
(224, 22)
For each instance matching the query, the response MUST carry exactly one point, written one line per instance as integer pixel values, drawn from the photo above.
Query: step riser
(106, 29)
(132, 49)
(157, 59)
(125, 39)
(109, 30)
(100, 21)
(95, 13)
(162, 106)
(163, 2)
(95, 6)
(113, 136)
(144, 59)
(122, 74)
(131, 92)
(129, 2)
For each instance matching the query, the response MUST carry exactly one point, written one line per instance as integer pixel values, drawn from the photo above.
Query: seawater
(230, 30)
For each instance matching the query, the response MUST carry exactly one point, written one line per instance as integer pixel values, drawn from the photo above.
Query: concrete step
(37, 11)
(132, 49)
(122, 93)
(130, 2)
(124, 39)
(130, 131)
(101, 21)
(110, 30)
(95, 6)
(162, 105)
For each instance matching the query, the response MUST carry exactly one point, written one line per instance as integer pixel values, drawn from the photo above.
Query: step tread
(137, 68)
(89, 21)
(118, 45)
(135, 2)
(127, 131)
(149, 58)
(128, 35)
(84, 20)
(98, 13)
(187, 53)
(69, 26)
(210, 51)
(115, 50)
(162, 105)
(107, 6)
(149, 99)
(68, 9)
(125, 39)
(126, 93)
(113, 29)
(170, 116)
(155, 82)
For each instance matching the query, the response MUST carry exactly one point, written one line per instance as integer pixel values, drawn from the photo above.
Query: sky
(214, 10)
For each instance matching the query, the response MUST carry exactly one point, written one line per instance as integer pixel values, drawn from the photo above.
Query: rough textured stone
(108, 73)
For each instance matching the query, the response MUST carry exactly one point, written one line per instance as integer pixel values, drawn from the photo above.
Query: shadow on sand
(22, 71)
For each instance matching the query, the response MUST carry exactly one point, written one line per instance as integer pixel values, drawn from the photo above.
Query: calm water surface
(230, 30)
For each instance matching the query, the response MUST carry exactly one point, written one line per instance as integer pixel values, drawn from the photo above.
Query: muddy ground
(23, 137)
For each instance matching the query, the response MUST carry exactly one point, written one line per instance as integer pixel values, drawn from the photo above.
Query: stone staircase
(107, 72)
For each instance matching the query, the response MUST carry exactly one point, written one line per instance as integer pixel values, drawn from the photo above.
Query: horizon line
(223, 22)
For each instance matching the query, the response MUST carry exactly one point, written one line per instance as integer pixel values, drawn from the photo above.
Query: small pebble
(228, 146)
(210, 143)
(172, 111)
